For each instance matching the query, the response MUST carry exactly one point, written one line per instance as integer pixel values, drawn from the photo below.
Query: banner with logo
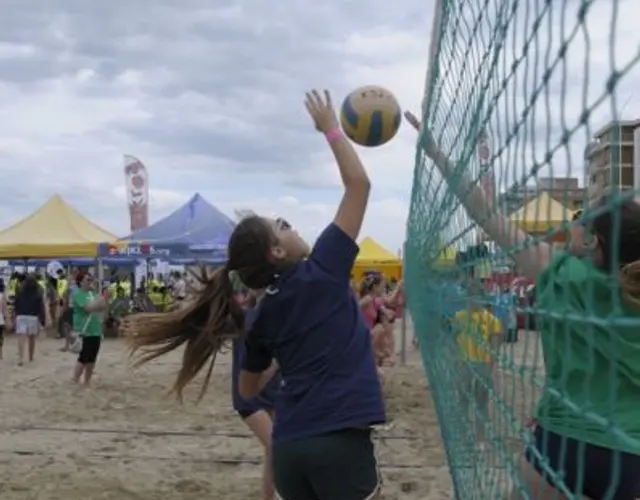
(143, 250)
(137, 186)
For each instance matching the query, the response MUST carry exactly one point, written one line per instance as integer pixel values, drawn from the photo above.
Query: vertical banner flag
(137, 186)
(487, 179)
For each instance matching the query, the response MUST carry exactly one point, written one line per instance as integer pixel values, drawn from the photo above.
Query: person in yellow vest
(155, 295)
(113, 287)
(13, 285)
(126, 285)
(478, 334)
(42, 282)
(167, 299)
(63, 283)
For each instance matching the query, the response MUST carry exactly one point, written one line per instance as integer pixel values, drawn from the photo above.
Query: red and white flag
(137, 187)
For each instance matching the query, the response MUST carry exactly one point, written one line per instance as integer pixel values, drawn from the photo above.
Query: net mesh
(516, 92)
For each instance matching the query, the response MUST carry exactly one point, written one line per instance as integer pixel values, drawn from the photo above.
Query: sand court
(127, 440)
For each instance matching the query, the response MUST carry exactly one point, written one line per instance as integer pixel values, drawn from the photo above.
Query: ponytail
(630, 283)
(204, 324)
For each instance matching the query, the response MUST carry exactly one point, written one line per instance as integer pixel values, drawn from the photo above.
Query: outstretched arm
(531, 257)
(356, 182)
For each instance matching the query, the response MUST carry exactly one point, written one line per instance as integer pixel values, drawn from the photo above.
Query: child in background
(478, 333)
(119, 307)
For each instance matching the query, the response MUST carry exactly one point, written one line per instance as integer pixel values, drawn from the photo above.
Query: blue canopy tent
(200, 226)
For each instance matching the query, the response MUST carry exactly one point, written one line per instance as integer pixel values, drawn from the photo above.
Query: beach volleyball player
(585, 441)
(309, 322)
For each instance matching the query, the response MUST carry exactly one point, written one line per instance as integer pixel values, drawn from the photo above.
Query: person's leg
(21, 333)
(261, 425)
(389, 344)
(31, 339)
(91, 358)
(34, 331)
(1, 339)
(378, 340)
(77, 372)
(83, 360)
(22, 340)
(482, 382)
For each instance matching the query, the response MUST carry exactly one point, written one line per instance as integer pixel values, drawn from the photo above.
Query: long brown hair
(212, 317)
(617, 228)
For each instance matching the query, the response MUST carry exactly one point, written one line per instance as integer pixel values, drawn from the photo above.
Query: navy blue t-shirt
(266, 399)
(312, 325)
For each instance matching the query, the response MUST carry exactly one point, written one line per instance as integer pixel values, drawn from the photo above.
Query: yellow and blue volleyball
(370, 116)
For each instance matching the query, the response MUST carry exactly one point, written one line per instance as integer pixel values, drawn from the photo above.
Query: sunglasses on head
(283, 224)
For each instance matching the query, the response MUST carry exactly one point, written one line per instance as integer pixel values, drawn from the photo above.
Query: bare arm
(392, 298)
(530, 256)
(250, 385)
(356, 182)
(366, 301)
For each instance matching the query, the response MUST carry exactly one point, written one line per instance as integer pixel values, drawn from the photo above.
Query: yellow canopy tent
(373, 256)
(541, 214)
(55, 230)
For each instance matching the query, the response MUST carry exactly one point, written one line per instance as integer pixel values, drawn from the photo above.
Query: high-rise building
(609, 158)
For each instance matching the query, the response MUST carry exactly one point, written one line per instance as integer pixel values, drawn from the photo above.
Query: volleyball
(370, 116)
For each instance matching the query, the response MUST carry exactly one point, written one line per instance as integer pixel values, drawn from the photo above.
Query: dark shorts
(89, 351)
(605, 473)
(339, 465)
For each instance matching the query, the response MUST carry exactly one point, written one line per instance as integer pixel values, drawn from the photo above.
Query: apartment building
(609, 159)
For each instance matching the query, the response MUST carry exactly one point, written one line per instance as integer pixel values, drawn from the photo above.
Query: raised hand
(428, 142)
(321, 111)
(413, 120)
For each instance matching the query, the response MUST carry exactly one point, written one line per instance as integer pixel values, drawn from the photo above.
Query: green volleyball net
(516, 92)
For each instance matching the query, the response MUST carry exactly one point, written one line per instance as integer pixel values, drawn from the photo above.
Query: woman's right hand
(321, 111)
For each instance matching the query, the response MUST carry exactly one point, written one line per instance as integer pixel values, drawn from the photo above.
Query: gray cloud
(208, 95)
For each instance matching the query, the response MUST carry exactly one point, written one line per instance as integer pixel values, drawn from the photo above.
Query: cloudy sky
(209, 96)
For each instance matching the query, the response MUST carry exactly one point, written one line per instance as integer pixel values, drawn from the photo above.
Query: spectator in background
(30, 316)
(3, 314)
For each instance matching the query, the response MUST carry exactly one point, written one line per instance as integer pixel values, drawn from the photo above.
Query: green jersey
(86, 324)
(591, 349)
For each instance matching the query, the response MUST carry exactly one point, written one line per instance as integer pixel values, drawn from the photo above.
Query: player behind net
(588, 303)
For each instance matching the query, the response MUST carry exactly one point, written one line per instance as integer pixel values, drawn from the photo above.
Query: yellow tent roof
(55, 230)
(373, 253)
(541, 214)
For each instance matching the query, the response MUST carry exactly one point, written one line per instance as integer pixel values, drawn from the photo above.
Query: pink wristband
(333, 135)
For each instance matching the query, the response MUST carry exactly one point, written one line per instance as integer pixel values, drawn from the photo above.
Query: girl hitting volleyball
(588, 299)
(256, 413)
(307, 323)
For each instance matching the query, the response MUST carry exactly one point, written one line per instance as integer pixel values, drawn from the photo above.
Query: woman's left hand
(321, 111)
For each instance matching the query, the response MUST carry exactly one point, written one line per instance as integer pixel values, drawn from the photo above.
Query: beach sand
(126, 439)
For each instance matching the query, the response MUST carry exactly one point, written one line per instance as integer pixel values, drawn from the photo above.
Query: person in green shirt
(586, 442)
(88, 308)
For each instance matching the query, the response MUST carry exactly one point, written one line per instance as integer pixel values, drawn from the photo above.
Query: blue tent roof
(196, 223)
